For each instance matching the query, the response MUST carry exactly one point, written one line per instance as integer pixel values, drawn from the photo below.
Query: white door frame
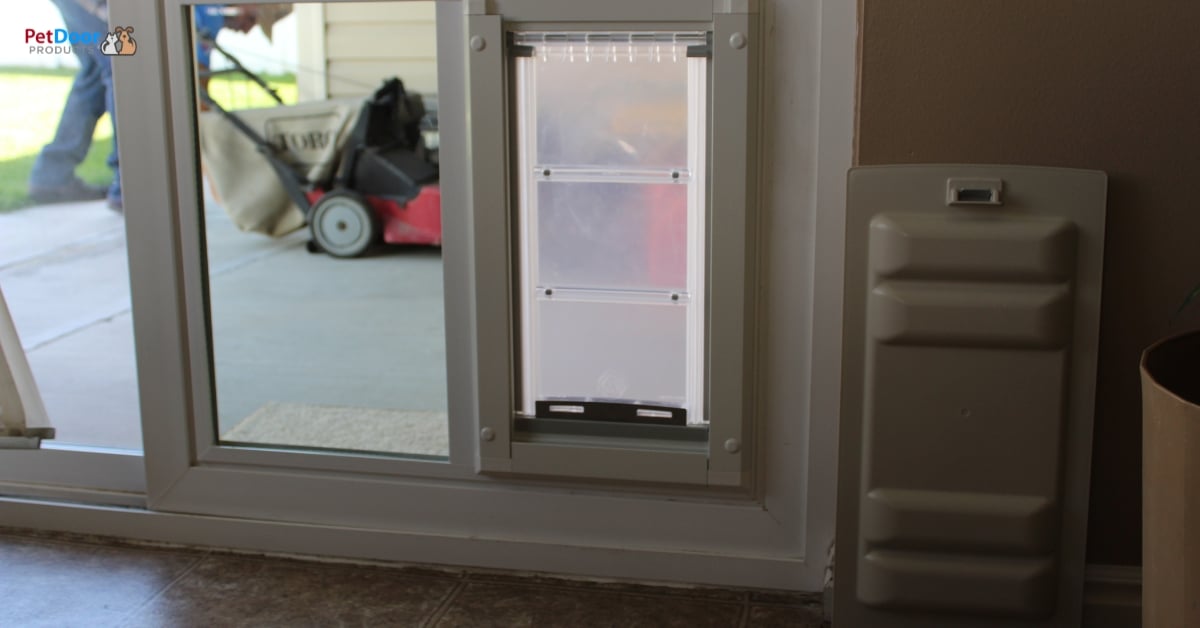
(777, 541)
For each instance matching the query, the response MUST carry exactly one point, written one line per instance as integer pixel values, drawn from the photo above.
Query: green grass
(28, 123)
(240, 93)
(11, 69)
(14, 172)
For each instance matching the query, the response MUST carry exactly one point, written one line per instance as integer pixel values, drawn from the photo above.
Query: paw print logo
(119, 42)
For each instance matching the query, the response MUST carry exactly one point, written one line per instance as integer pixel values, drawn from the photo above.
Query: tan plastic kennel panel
(972, 307)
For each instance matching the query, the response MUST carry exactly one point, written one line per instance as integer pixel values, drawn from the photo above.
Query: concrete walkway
(288, 326)
(64, 274)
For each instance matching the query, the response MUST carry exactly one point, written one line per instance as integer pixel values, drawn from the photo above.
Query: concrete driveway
(287, 325)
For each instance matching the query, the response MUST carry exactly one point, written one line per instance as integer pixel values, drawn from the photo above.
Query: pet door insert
(611, 211)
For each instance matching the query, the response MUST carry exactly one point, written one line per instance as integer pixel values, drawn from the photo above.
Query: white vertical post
(312, 79)
(696, 234)
(23, 420)
(526, 93)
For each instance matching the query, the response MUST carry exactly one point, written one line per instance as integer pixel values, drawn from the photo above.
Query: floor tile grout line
(779, 604)
(444, 605)
(400, 570)
(743, 594)
(742, 597)
(167, 587)
(745, 621)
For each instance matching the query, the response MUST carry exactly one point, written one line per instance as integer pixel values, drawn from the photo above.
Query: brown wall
(1106, 84)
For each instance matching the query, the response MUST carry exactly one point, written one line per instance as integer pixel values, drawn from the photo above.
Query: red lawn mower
(385, 187)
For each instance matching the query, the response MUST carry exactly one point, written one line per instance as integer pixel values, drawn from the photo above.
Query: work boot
(72, 190)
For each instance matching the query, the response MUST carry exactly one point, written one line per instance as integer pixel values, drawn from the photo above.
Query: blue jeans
(91, 95)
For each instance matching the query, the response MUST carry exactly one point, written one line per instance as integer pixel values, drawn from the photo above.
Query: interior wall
(1102, 84)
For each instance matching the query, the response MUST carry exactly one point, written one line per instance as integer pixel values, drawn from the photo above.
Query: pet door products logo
(62, 41)
(119, 42)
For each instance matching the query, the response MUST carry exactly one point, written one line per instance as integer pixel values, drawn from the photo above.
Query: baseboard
(1112, 596)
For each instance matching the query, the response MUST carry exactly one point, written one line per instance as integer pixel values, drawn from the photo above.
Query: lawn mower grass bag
(307, 137)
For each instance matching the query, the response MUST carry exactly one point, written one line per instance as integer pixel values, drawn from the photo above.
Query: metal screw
(675, 175)
(546, 172)
(487, 434)
(478, 43)
(549, 292)
(733, 445)
(737, 41)
(675, 296)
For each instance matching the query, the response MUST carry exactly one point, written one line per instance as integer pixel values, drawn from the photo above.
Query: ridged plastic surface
(963, 327)
(969, 321)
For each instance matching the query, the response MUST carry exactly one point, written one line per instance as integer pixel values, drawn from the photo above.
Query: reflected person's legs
(53, 176)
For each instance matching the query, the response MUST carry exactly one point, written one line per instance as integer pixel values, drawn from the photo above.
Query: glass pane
(629, 352)
(611, 103)
(63, 260)
(612, 235)
(69, 297)
(324, 264)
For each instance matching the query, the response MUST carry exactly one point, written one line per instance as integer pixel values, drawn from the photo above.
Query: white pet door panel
(611, 176)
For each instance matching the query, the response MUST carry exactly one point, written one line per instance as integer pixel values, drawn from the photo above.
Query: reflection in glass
(321, 227)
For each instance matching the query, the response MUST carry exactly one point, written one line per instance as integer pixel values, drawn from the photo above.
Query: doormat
(416, 432)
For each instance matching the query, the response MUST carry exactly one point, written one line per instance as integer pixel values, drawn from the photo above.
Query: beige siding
(368, 42)
(360, 40)
(365, 43)
(381, 12)
(358, 77)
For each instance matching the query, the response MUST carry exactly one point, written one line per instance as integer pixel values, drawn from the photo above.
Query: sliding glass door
(64, 272)
(337, 329)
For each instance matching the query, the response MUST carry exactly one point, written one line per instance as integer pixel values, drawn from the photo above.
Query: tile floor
(56, 581)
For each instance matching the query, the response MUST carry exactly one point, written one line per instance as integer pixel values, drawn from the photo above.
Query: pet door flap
(611, 175)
